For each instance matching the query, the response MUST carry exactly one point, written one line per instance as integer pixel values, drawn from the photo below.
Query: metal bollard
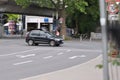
(63, 37)
(80, 38)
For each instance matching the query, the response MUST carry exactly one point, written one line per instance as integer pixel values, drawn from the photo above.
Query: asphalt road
(18, 60)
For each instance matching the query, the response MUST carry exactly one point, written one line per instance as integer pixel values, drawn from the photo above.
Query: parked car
(36, 37)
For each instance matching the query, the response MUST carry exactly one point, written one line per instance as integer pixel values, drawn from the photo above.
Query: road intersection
(17, 60)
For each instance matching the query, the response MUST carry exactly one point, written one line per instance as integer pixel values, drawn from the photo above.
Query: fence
(84, 37)
(95, 36)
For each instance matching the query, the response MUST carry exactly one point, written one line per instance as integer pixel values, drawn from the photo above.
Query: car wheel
(57, 44)
(36, 44)
(30, 42)
(52, 43)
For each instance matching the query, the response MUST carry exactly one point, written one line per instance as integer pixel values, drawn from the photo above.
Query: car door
(43, 37)
(35, 34)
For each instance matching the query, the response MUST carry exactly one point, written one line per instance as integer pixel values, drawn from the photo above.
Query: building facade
(38, 22)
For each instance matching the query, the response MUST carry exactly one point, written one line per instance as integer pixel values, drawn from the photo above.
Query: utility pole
(103, 22)
(1, 25)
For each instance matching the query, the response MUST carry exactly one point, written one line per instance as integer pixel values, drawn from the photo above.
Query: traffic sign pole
(104, 38)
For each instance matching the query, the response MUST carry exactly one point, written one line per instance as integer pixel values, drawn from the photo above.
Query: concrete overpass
(9, 6)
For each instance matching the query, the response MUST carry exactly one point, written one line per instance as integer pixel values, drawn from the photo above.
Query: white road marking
(87, 50)
(22, 62)
(24, 56)
(68, 50)
(60, 53)
(84, 50)
(47, 57)
(81, 56)
(73, 49)
(20, 52)
(73, 57)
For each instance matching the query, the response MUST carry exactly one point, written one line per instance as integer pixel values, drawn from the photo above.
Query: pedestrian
(57, 33)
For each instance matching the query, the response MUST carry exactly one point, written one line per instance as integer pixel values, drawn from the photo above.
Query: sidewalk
(13, 36)
(85, 71)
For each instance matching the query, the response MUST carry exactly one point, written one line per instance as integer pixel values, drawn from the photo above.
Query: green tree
(13, 17)
(87, 21)
(61, 7)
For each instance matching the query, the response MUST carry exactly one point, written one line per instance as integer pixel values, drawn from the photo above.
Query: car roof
(36, 29)
(39, 30)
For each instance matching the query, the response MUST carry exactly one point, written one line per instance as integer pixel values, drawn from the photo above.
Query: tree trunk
(62, 15)
(76, 27)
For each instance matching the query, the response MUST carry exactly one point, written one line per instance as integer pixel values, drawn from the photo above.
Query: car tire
(30, 42)
(36, 44)
(52, 43)
(57, 44)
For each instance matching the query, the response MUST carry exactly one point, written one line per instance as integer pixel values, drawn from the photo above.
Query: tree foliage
(83, 15)
(62, 6)
(58, 4)
(85, 22)
(41, 3)
(13, 17)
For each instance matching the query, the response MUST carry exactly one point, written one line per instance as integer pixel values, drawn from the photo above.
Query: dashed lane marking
(68, 50)
(20, 63)
(47, 57)
(20, 52)
(73, 57)
(25, 56)
(81, 56)
(60, 53)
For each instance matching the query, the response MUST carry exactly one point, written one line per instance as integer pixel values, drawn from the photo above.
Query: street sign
(114, 17)
(46, 20)
(112, 8)
(117, 0)
(112, 0)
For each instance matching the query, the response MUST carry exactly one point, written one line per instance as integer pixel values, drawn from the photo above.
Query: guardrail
(95, 36)
(84, 37)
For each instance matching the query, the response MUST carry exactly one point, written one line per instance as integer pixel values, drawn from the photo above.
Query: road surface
(18, 60)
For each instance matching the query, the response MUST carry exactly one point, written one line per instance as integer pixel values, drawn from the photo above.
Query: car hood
(57, 37)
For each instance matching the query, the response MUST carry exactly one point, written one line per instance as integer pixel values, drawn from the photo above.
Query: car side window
(42, 34)
(35, 33)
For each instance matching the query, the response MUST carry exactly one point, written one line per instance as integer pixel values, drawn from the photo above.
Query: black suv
(36, 37)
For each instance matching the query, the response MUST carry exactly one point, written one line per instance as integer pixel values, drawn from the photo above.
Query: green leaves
(71, 4)
(41, 3)
(80, 5)
(116, 62)
(12, 17)
(23, 3)
(93, 9)
(100, 66)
